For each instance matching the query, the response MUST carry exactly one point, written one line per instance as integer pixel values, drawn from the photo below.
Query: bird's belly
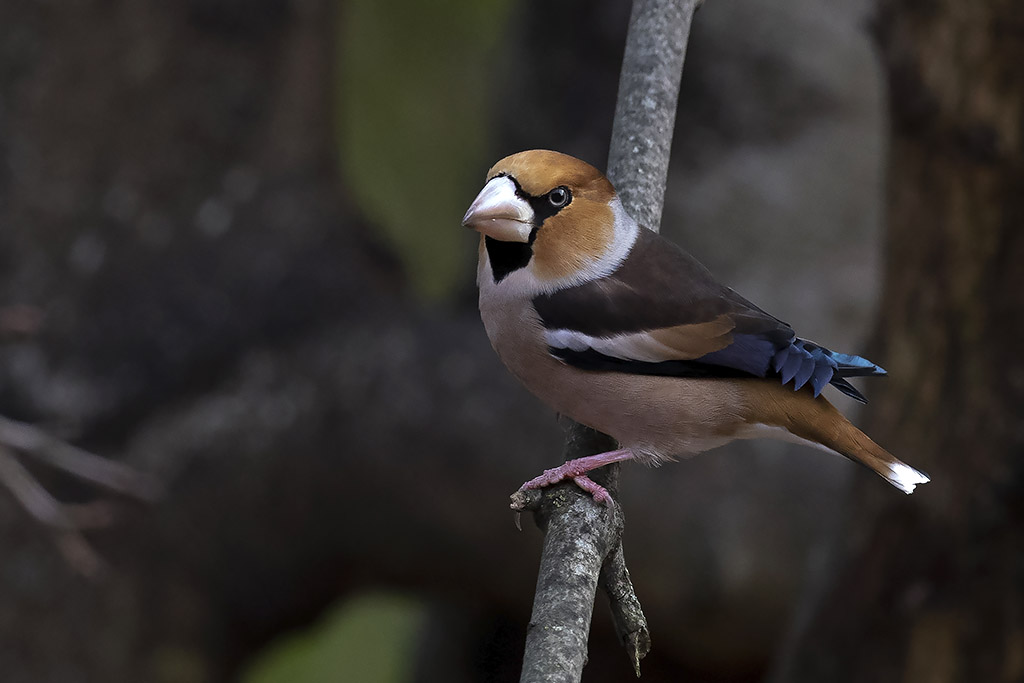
(658, 417)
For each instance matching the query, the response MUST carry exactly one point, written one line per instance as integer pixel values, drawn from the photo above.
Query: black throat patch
(508, 257)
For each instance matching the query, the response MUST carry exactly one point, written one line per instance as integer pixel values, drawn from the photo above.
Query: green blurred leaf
(412, 111)
(370, 639)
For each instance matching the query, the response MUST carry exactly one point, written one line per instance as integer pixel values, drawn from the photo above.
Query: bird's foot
(599, 492)
(576, 470)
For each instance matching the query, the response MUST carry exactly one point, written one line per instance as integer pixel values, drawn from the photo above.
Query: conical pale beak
(499, 213)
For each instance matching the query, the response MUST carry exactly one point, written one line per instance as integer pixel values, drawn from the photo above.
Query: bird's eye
(558, 197)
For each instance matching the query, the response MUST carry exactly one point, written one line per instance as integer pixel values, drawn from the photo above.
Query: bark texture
(645, 110)
(578, 534)
(931, 587)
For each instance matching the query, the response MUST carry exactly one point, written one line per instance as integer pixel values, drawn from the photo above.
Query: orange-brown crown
(540, 170)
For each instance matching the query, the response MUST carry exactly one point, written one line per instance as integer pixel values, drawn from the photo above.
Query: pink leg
(577, 471)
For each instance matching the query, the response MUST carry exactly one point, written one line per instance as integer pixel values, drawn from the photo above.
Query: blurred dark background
(230, 257)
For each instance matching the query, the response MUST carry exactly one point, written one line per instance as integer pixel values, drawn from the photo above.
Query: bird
(615, 326)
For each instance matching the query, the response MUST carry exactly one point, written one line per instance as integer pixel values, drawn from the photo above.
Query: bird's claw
(599, 493)
(558, 474)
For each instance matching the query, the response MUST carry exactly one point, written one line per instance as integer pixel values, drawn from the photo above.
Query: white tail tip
(905, 477)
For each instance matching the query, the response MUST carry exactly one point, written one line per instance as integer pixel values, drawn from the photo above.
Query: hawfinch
(621, 330)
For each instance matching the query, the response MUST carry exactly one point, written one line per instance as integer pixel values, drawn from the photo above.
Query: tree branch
(645, 110)
(627, 614)
(63, 456)
(582, 542)
(66, 521)
(46, 509)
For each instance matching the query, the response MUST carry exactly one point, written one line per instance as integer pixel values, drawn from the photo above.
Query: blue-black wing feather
(660, 286)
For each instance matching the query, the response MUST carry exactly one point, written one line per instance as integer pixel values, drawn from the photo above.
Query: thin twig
(582, 540)
(67, 521)
(85, 465)
(30, 493)
(627, 614)
(49, 511)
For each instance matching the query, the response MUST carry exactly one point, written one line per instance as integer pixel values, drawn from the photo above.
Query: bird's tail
(816, 420)
(836, 433)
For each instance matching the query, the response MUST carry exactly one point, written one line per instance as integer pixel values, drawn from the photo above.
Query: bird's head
(549, 219)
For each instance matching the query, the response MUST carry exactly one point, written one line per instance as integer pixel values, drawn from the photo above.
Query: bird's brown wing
(662, 312)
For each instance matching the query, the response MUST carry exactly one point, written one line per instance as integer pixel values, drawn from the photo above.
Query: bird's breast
(660, 417)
